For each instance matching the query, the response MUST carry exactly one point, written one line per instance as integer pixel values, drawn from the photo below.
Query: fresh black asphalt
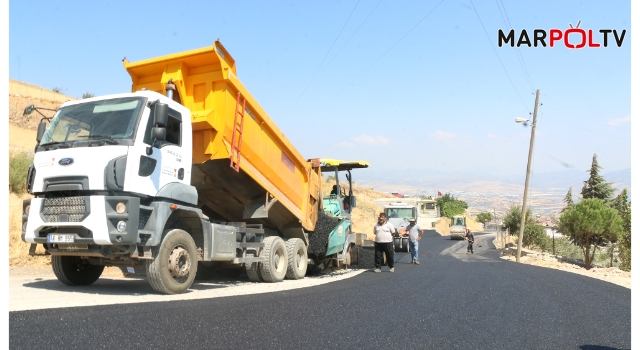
(451, 300)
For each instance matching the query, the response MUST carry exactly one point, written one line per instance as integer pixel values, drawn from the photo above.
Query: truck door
(167, 162)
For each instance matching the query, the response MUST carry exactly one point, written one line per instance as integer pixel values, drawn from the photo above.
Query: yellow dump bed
(272, 183)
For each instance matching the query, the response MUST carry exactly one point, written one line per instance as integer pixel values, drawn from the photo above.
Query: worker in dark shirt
(471, 239)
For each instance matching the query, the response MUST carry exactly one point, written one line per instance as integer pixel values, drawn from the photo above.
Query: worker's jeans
(470, 247)
(413, 246)
(386, 249)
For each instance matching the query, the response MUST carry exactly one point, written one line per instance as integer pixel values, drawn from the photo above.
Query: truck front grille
(67, 209)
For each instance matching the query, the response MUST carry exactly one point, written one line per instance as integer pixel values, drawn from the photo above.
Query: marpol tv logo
(571, 38)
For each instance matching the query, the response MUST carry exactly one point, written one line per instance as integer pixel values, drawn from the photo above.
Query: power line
(325, 57)
(518, 52)
(354, 33)
(392, 46)
(496, 52)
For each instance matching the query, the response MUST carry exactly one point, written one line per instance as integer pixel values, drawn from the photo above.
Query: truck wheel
(396, 244)
(405, 245)
(75, 271)
(275, 268)
(297, 259)
(175, 264)
(253, 270)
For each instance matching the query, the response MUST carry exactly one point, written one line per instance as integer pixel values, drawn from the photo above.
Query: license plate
(60, 238)
(73, 246)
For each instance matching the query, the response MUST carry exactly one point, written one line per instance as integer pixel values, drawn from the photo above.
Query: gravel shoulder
(610, 274)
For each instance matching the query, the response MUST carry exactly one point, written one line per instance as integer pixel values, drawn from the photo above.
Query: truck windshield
(112, 120)
(406, 213)
(458, 221)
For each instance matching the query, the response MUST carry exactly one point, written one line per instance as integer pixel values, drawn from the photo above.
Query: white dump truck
(185, 169)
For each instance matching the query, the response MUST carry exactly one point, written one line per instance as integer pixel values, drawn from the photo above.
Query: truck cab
(398, 214)
(100, 163)
(458, 226)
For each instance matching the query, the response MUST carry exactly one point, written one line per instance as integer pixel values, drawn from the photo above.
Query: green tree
(450, 209)
(484, 216)
(568, 200)
(449, 206)
(589, 224)
(513, 218)
(622, 205)
(596, 186)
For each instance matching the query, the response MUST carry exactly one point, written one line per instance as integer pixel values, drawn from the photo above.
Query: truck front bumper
(90, 219)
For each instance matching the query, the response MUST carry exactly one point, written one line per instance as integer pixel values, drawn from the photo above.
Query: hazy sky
(369, 79)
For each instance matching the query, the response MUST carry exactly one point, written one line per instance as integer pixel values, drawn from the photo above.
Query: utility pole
(495, 218)
(526, 182)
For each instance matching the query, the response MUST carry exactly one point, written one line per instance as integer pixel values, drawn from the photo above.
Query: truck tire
(75, 271)
(296, 259)
(275, 268)
(253, 270)
(175, 265)
(405, 245)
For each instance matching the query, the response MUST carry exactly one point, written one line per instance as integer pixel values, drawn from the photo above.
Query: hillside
(22, 138)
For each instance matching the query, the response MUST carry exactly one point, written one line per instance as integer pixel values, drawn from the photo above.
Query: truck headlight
(121, 226)
(121, 208)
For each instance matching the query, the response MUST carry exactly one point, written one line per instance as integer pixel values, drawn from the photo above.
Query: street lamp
(526, 183)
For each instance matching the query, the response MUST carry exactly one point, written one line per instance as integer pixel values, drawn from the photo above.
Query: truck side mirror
(161, 116)
(41, 129)
(28, 109)
(159, 133)
(353, 201)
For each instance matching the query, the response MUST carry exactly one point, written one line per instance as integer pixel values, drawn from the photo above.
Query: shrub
(565, 248)
(533, 235)
(18, 166)
(88, 95)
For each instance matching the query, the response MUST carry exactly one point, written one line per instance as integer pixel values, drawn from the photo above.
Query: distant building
(398, 195)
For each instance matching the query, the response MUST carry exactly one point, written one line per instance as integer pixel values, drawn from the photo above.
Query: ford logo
(65, 161)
